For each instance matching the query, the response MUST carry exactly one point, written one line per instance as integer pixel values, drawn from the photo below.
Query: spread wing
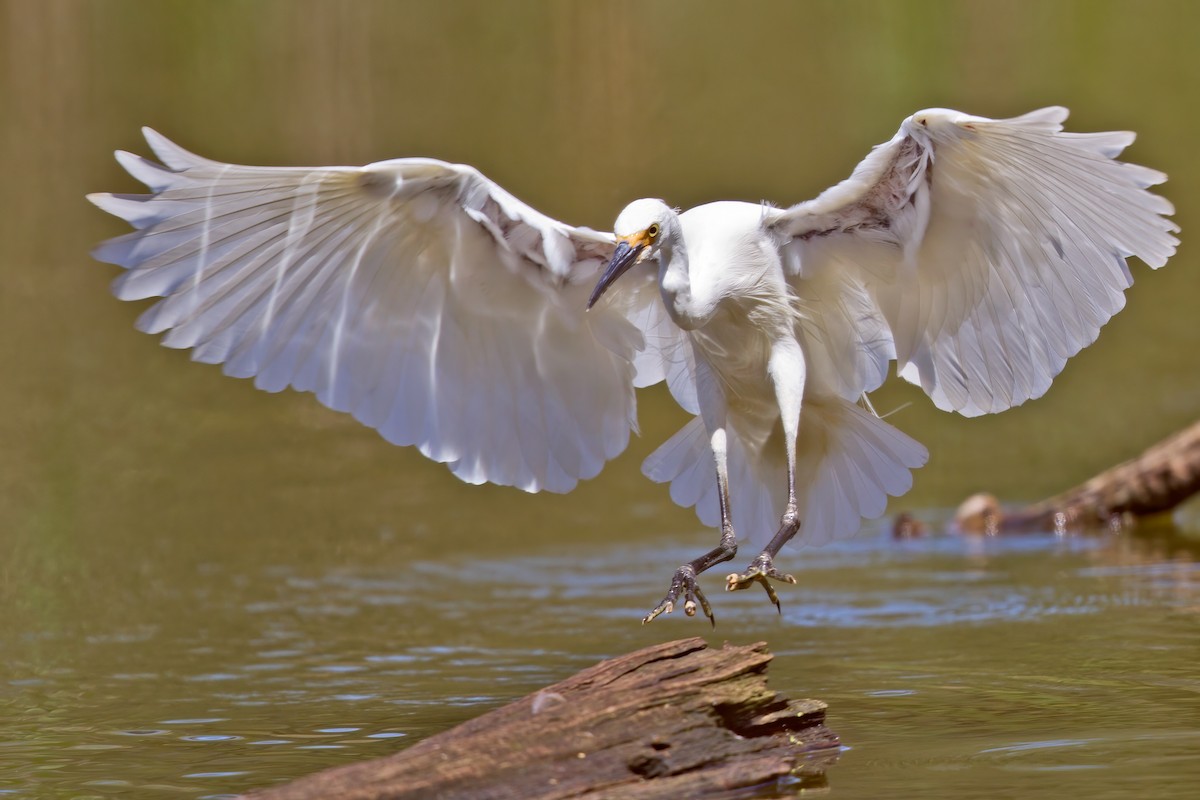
(417, 295)
(987, 251)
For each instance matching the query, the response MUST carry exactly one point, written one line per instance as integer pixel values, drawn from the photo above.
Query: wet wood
(1161, 478)
(675, 720)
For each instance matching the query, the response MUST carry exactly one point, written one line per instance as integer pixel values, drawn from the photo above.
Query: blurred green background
(146, 497)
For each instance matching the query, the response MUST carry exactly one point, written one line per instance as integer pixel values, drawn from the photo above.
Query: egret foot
(762, 571)
(683, 582)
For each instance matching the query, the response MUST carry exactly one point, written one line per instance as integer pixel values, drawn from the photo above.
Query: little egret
(436, 307)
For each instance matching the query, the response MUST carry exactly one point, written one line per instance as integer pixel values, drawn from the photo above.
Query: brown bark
(673, 720)
(1161, 478)
(1158, 480)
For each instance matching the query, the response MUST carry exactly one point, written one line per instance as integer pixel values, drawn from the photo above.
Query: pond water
(1037, 665)
(206, 589)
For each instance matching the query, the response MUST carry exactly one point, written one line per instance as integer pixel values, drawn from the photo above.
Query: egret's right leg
(713, 412)
(684, 580)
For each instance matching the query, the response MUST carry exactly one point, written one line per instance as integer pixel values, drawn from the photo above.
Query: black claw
(761, 571)
(665, 607)
(695, 594)
(774, 597)
(683, 582)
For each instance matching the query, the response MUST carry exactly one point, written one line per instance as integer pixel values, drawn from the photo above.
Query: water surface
(1052, 665)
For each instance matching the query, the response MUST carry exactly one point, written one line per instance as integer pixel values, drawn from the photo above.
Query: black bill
(622, 260)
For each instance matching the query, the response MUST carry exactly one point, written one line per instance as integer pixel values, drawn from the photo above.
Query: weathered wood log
(676, 720)
(1161, 478)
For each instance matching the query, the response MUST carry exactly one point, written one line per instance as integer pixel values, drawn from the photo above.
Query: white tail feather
(848, 463)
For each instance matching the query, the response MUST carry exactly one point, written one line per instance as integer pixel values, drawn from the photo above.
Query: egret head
(642, 230)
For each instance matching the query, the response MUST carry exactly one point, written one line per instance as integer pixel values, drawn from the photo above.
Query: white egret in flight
(436, 307)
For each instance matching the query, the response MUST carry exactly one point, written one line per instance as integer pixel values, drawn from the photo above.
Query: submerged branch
(1162, 477)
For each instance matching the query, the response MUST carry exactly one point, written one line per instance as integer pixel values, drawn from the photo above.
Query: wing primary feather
(1014, 265)
(343, 281)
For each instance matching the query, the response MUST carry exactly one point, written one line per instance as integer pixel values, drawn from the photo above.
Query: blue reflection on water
(347, 661)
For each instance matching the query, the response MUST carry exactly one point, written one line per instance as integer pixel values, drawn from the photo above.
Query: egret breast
(736, 301)
(726, 258)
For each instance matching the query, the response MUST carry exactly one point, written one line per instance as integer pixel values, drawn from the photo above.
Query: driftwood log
(676, 720)
(1161, 478)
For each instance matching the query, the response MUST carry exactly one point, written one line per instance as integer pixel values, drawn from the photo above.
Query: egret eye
(652, 231)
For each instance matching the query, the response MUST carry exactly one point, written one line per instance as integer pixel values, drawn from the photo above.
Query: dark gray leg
(788, 372)
(684, 580)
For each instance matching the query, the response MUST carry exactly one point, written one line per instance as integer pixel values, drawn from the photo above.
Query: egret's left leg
(788, 373)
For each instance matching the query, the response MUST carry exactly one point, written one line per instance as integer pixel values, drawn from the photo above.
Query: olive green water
(204, 589)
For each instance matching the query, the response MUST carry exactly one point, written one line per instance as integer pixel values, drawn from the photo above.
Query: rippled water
(1041, 664)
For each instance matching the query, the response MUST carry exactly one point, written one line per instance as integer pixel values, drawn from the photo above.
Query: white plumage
(437, 308)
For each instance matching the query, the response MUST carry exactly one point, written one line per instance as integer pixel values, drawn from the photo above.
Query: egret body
(431, 304)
